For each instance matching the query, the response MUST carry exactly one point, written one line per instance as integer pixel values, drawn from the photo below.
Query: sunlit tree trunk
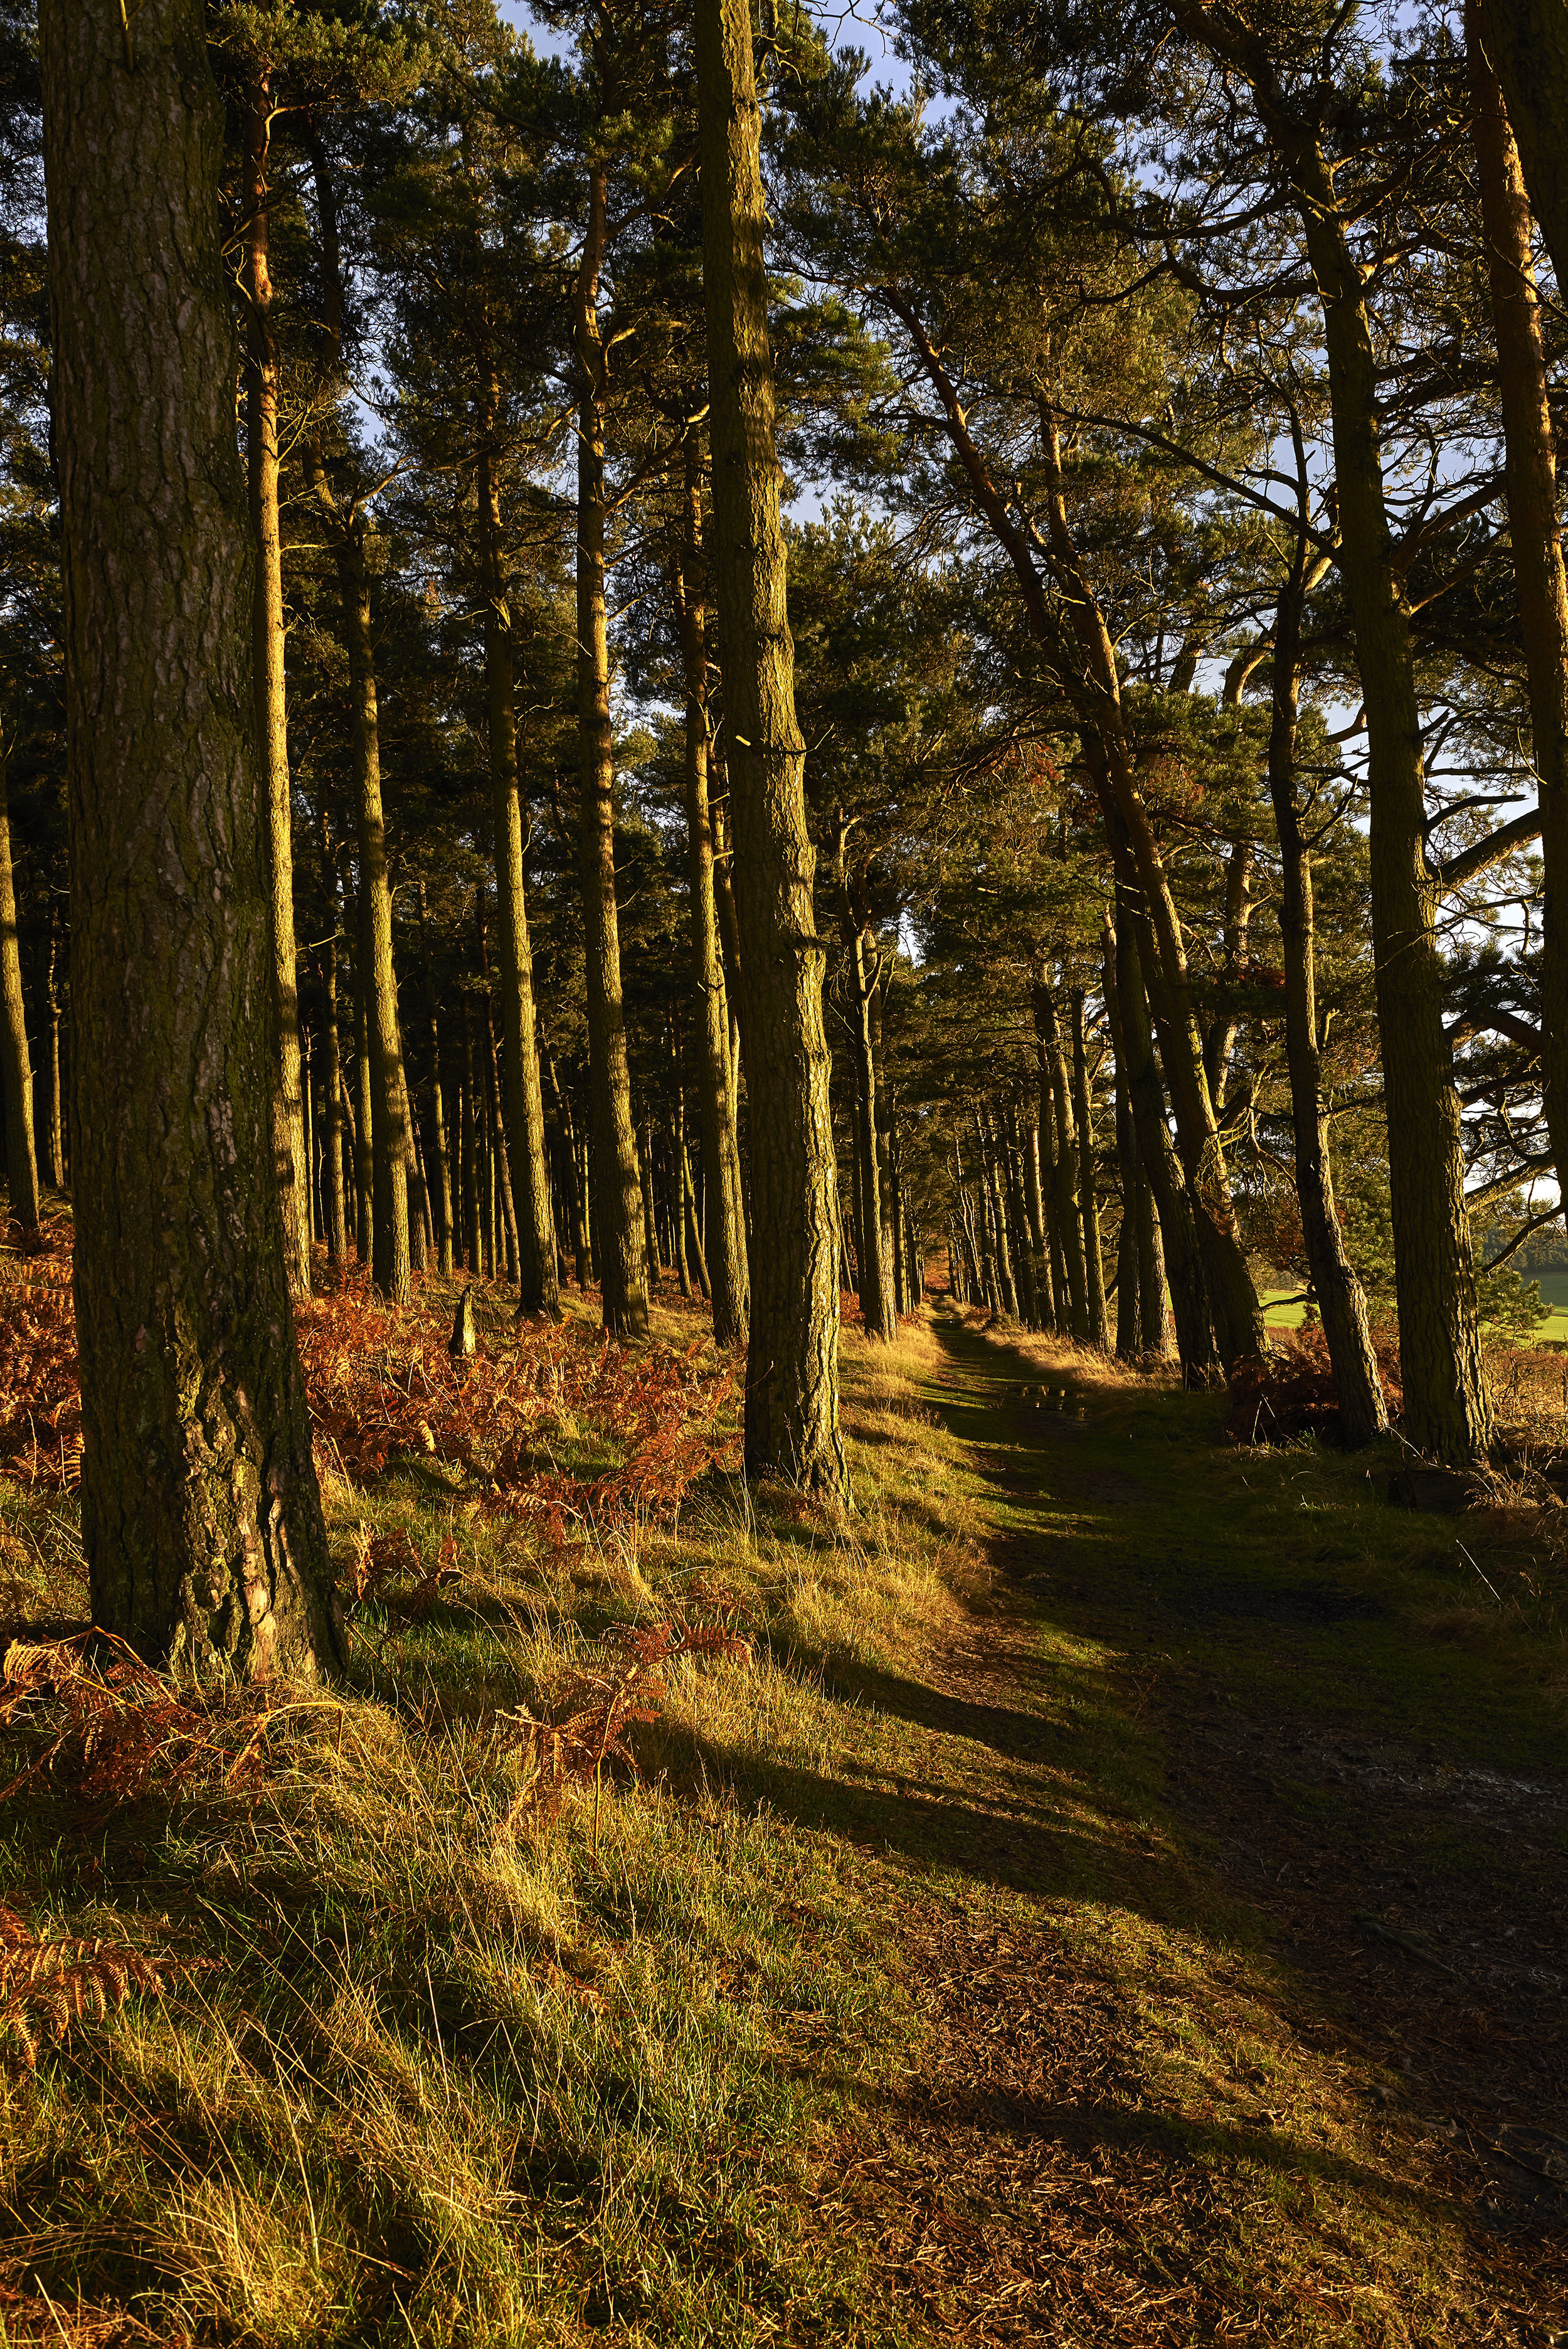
(16, 1061)
(533, 1221)
(792, 1375)
(267, 662)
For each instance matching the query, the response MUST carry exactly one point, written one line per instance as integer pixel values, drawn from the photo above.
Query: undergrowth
(557, 1979)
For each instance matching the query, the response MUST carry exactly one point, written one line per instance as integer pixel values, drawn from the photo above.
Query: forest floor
(1118, 1895)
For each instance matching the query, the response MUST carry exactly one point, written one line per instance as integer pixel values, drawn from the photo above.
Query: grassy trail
(1237, 1903)
(1116, 1899)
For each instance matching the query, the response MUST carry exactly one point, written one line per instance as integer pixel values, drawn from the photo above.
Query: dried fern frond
(45, 1986)
(593, 1709)
(108, 1729)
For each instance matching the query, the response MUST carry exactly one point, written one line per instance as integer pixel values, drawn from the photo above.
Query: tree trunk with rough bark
(16, 1061)
(538, 1287)
(54, 1120)
(1065, 1165)
(201, 1513)
(336, 1216)
(441, 1189)
(1163, 1169)
(792, 1378)
(618, 1240)
(1527, 44)
(1088, 1205)
(727, 1251)
(267, 665)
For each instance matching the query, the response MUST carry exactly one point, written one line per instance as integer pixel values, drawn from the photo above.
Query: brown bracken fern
(47, 1985)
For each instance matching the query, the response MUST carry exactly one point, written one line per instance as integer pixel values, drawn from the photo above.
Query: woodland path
(1245, 1966)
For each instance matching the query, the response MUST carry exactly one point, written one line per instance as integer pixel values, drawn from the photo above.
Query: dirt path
(1246, 1995)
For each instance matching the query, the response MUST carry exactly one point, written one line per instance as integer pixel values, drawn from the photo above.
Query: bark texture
(623, 1273)
(201, 1513)
(16, 1061)
(539, 1289)
(721, 1160)
(272, 709)
(1528, 44)
(792, 1374)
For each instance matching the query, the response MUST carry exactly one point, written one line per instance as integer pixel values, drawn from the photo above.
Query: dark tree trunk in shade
(650, 1211)
(506, 1197)
(879, 1305)
(531, 1224)
(54, 1120)
(792, 1374)
(1129, 1335)
(200, 1515)
(1340, 1300)
(364, 1146)
(470, 1179)
(1156, 1154)
(389, 1123)
(1088, 1205)
(267, 669)
(332, 1090)
(16, 1061)
(440, 1183)
(1064, 1167)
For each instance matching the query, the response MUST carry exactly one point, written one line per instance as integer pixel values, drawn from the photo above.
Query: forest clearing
(784, 1111)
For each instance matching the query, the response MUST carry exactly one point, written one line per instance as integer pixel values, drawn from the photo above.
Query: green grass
(421, 2078)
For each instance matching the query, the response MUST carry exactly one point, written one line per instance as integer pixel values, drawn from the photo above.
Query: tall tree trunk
(1340, 1301)
(1221, 1040)
(618, 1196)
(1088, 1205)
(1064, 1163)
(506, 1197)
(389, 1256)
(1018, 1211)
(1531, 481)
(1000, 1247)
(54, 1123)
(1034, 1209)
(792, 1375)
(267, 669)
(332, 1089)
(470, 1173)
(534, 1220)
(878, 1305)
(878, 978)
(1527, 46)
(442, 1186)
(1162, 1168)
(650, 1212)
(201, 1513)
(728, 1253)
(1448, 1410)
(364, 1148)
(16, 1061)
(1128, 1332)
